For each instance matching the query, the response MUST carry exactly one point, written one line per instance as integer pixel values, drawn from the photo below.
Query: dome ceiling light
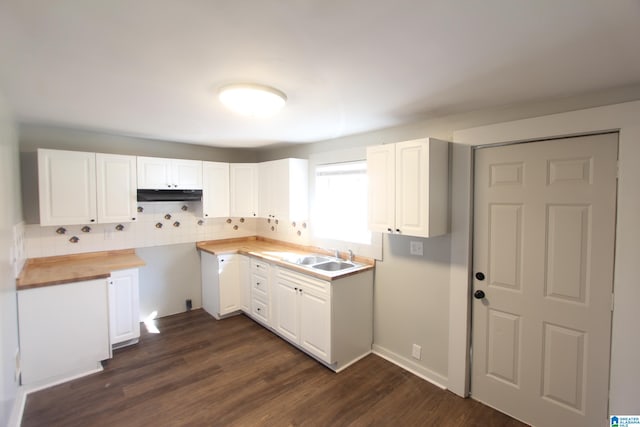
(252, 99)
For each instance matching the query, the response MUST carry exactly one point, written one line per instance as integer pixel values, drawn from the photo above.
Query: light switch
(415, 248)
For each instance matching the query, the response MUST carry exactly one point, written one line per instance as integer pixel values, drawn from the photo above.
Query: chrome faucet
(350, 255)
(336, 253)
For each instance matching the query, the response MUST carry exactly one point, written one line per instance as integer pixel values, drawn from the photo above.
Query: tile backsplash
(178, 225)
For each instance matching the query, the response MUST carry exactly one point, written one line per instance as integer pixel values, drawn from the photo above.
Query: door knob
(480, 276)
(478, 294)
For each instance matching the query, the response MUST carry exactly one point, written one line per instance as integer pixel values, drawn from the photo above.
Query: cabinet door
(412, 181)
(315, 323)
(297, 180)
(124, 306)
(116, 188)
(287, 317)
(215, 189)
(154, 173)
(381, 177)
(266, 189)
(186, 174)
(243, 197)
(67, 187)
(229, 271)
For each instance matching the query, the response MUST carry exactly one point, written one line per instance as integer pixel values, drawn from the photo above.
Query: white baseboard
(409, 365)
(357, 359)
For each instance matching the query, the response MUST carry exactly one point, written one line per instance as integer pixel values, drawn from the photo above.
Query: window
(340, 208)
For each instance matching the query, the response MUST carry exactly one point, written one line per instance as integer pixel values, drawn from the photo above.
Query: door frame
(619, 117)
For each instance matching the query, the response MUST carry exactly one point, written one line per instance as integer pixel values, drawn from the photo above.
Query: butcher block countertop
(57, 270)
(276, 251)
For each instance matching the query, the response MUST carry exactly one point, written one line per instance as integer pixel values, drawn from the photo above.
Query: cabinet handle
(398, 230)
(169, 185)
(133, 219)
(175, 185)
(93, 220)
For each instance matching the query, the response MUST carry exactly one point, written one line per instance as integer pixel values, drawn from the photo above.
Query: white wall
(10, 215)
(625, 342)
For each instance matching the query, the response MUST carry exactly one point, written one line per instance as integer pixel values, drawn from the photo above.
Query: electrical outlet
(416, 248)
(416, 352)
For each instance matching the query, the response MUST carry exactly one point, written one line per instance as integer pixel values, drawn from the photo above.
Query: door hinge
(612, 300)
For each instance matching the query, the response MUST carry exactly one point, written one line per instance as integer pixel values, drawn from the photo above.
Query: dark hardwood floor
(201, 372)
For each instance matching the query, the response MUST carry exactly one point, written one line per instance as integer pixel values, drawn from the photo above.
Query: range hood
(169, 195)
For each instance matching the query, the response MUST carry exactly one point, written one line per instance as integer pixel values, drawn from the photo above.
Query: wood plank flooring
(202, 372)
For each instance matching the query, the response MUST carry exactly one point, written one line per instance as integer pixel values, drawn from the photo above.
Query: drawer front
(260, 266)
(259, 286)
(321, 287)
(260, 311)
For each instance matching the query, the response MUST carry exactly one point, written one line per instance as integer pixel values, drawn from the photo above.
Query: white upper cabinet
(381, 176)
(215, 189)
(67, 187)
(116, 188)
(84, 188)
(284, 189)
(243, 196)
(156, 173)
(408, 187)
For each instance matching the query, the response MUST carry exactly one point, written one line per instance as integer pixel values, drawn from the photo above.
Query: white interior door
(544, 240)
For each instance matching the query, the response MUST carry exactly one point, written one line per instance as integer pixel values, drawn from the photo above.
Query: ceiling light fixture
(252, 99)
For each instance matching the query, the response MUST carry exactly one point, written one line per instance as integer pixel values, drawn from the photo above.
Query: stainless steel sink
(308, 260)
(333, 266)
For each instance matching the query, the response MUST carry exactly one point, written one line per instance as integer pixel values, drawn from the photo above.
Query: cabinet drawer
(259, 266)
(260, 311)
(310, 283)
(259, 286)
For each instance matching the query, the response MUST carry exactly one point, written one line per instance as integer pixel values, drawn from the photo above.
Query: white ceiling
(152, 67)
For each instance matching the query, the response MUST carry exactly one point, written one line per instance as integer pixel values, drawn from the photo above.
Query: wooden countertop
(275, 251)
(39, 272)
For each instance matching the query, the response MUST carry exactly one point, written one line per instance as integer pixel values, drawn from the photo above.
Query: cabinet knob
(169, 185)
(133, 219)
(390, 230)
(398, 230)
(175, 185)
(93, 220)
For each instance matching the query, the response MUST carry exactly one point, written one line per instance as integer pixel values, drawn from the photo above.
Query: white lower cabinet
(221, 293)
(330, 320)
(124, 308)
(303, 312)
(64, 331)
